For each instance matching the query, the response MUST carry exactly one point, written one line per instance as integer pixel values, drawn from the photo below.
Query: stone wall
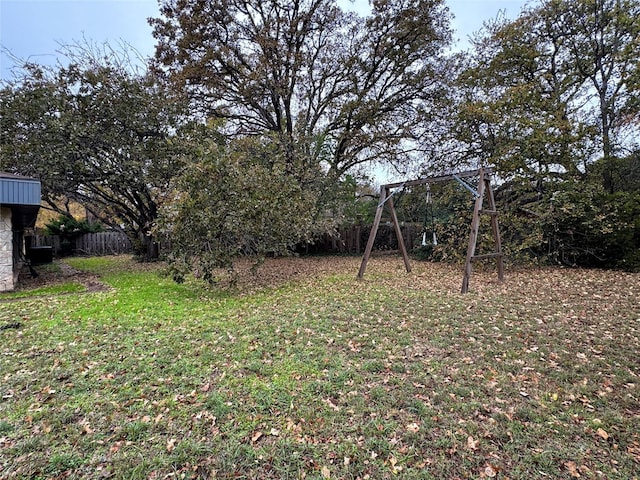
(6, 250)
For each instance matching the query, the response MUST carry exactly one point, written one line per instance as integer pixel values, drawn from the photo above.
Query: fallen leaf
(332, 405)
(413, 427)
(490, 471)
(603, 434)
(256, 436)
(171, 445)
(573, 469)
(634, 451)
(472, 444)
(274, 432)
(86, 429)
(394, 467)
(325, 472)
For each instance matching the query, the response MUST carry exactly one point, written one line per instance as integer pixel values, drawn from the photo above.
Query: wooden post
(484, 185)
(496, 230)
(374, 231)
(399, 236)
(473, 236)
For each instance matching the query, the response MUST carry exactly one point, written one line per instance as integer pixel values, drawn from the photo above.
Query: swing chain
(429, 209)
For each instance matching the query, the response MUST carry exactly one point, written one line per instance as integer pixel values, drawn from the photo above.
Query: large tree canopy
(350, 90)
(96, 132)
(550, 100)
(554, 89)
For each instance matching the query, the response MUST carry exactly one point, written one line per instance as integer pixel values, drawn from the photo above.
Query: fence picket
(101, 243)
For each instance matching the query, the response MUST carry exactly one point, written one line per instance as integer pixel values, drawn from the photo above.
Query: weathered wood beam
(441, 178)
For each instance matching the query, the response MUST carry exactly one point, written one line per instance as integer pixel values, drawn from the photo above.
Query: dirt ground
(56, 273)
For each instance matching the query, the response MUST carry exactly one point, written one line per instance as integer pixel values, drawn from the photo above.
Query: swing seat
(434, 241)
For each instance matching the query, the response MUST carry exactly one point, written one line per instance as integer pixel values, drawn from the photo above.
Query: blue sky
(35, 29)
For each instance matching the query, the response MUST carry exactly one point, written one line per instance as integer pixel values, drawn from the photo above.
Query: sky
(35, 29)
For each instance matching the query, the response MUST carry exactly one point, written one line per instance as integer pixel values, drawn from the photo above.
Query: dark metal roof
(17, 190)
(23, 196)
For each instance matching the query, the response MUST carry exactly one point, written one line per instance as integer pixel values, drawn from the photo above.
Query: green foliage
(238, 200)
(68, 226)
(349, 201)
(588, 226)
(97, 131)
(577, 222)
(550, 101)
(546, 94)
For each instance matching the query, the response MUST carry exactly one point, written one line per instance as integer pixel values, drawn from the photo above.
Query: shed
(19, 204)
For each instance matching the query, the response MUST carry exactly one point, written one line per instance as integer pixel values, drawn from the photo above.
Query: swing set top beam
(441, 178)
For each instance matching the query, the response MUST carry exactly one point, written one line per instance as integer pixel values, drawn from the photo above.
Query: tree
(97, 132)
(555, 87)
(518, 109)
(335, 88)
(236, 199)
(602, 39)
(549, 99)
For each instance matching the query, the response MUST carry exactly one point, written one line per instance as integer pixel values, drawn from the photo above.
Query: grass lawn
(312, 374)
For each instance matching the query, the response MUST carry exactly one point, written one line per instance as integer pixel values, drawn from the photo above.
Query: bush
(67, 226)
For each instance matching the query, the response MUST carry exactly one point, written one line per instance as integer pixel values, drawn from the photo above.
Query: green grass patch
(317, 375)
(60, 289)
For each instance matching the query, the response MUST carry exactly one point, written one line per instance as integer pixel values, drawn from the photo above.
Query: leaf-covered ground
(304, 372)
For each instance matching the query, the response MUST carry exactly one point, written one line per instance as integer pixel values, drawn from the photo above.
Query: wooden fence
(354, 239)
(90, 244)
(346, 240)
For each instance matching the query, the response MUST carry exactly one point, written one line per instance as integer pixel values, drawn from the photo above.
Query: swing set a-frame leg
(373, 233)
(384, 198)
(399, 236)
(484, 187)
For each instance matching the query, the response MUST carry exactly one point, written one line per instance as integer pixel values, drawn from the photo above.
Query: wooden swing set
(484, 189)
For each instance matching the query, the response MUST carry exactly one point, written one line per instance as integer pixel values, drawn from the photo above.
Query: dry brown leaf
(472, 444)
(171, 445)
(86, 429)
(413, 427)
(573, 469)
(332, 405)
(325, 472)
(490, 471)
(256, 436)
(603, 434)
(634, 451)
